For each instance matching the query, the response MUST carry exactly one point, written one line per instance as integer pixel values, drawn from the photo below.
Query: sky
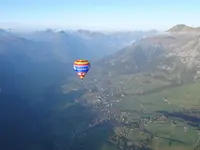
(98, 14)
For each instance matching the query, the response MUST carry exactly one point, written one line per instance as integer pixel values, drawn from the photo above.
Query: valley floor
(153, 114)
(137, 113)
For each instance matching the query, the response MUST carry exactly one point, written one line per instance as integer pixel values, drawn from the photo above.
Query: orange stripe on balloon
(81, 63)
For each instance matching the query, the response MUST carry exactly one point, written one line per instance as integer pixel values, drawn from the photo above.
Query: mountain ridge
(182, 28)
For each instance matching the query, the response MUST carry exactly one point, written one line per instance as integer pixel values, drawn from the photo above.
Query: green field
(186, 96)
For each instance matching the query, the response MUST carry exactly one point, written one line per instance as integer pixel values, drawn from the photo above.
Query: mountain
(4, 33)
(181, 28)
(24, 66)
(86, 44)
(64, 45)
(109, 43)
(167, 54)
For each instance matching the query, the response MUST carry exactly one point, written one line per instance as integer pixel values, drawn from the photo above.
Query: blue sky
(99, 14)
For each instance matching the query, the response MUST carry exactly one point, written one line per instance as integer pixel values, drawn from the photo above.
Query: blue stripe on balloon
(83, 69)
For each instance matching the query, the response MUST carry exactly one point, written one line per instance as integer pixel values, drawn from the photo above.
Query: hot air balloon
(81, 67)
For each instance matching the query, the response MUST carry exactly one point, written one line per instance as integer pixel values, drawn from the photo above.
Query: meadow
(180, 103)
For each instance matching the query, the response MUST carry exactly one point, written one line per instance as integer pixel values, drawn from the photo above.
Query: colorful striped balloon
(81, 67)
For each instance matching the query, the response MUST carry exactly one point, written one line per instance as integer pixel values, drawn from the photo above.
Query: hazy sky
(99, 14)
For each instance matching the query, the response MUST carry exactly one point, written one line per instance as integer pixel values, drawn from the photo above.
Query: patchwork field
(179, 104)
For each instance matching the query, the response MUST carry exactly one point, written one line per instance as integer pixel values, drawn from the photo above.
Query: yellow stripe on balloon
(81, 62)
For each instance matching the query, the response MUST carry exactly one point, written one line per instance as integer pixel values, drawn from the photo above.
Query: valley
(144, 96)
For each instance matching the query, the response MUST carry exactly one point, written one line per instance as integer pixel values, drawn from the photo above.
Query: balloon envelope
(81, 67)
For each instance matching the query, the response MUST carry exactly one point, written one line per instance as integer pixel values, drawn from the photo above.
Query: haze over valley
(142, 89)
(141, 85)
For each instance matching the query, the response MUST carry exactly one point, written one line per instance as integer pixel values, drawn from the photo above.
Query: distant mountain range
(87, 44)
